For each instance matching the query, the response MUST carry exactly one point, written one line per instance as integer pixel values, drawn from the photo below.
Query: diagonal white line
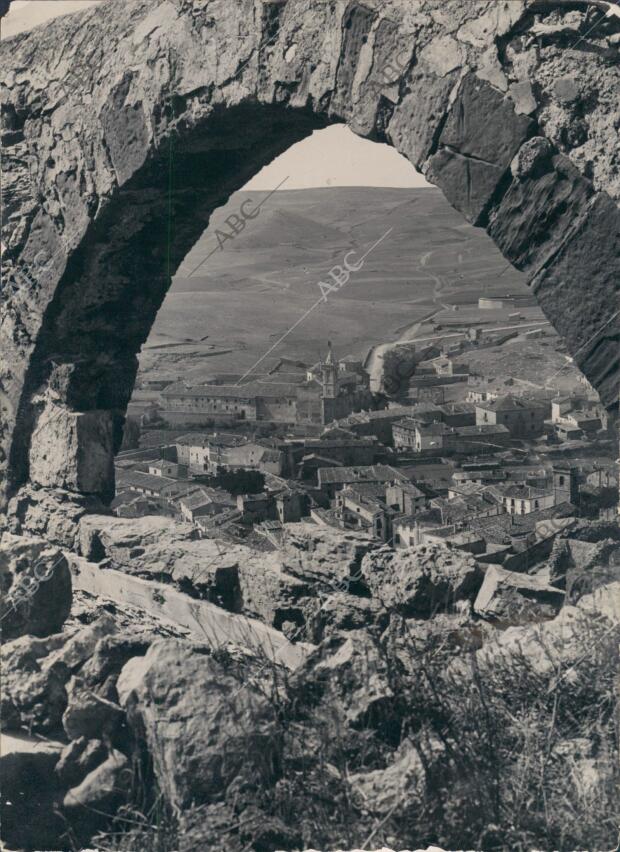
(218, 247)
(319, 301)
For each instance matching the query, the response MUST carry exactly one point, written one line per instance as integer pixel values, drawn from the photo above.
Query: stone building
(214, 453)
(430, 438)
(523, 499)
(327, 392)
(523, 418)
(362, 506)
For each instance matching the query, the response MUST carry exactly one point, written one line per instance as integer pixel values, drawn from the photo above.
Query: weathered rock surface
(557, 646)
(332, 558)
(33, 695)
(404, 780)
(66, 678)
(290, 585)
(78, 759)
(92, 709)
(512, 598)
(30, 792)
(340, 611)
(579, 566)
(603, 601)
(86, 147)
(421, 580)
(445, 635)
(102, 789)
(35, 586)
(349, 674)
(91, 713)
(470, 164)
(202, 724)
(53, 514)
(233, 576)
(164, 549)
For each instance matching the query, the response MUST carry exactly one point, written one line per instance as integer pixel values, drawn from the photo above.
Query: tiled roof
(192, 439)
(500, 527)
(135, 479)
(411, 489)
(521, 492)
(364, 473)
(195, 501)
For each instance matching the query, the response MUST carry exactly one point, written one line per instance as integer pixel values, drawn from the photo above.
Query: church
(332, 389)
(329, 390)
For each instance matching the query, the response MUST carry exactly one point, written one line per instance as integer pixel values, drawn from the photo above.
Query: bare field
(253, 290)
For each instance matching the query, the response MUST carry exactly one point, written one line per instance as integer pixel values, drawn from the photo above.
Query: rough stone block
(36, 587)
(204, 729)
(73, 450)
(513, 598)
(468, 184)
(481, 136)
(579, 289)
(416, 120)
(537, 213)
(30, 792)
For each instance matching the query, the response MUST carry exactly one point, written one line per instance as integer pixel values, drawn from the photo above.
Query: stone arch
(178, 103)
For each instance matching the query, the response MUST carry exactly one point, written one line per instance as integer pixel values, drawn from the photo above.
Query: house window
(561, 480)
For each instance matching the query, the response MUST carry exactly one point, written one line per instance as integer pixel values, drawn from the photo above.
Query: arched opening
(183, 140)
(264, 298)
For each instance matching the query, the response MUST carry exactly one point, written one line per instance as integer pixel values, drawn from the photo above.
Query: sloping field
(251, 289)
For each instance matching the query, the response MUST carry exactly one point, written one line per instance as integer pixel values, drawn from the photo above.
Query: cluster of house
(468, 473)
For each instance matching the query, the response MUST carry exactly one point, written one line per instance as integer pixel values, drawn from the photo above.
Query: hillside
(251, 289)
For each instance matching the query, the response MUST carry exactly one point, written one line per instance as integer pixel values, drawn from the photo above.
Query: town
(451, 456)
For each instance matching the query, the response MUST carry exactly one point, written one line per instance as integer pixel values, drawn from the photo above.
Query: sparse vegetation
(513, 759)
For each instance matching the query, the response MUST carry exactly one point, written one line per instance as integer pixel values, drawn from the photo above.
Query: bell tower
(329, 374)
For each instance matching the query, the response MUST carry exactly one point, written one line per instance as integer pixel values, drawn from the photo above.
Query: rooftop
(521, 492)
(499, 528)
(248, 391)
(485, 429)
(508, 403)
(324, 443)
(192, 439)
(411, 489)
(365, 473)
(458, 408)
(135, 479)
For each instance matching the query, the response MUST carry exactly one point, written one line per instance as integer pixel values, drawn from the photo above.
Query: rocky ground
(438, 702)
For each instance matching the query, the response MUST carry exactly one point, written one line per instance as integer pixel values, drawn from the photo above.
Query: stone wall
(155, 107)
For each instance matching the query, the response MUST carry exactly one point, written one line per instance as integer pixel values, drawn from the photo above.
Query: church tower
(566, 483)
(329, 375)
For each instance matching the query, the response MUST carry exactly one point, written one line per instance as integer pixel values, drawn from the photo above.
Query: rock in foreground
(202, 724)
(512, 598)
(422, 580)
(35, 587)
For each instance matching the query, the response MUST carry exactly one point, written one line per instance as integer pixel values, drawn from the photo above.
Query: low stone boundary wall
(204, 620)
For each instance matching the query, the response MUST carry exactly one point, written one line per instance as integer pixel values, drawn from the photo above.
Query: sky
(331, 157)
